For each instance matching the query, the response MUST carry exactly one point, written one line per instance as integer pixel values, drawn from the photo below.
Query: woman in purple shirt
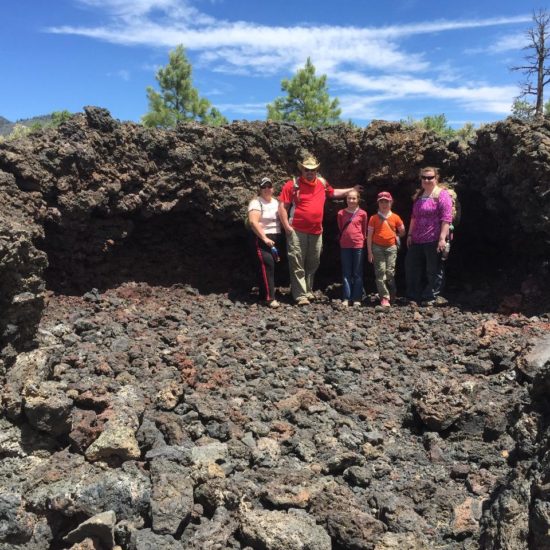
(430, 220)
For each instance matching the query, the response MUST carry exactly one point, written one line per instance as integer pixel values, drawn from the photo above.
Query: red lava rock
(86, 427)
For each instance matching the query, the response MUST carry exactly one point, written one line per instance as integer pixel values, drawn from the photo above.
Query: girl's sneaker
(384, 302)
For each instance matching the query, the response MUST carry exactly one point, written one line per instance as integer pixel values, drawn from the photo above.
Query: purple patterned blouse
(428, 214)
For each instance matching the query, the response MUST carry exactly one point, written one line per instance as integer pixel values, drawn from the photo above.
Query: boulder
(171, 497)
(100, 527)
(283, 531)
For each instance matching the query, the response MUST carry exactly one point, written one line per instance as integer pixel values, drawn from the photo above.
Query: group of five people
(299, 213)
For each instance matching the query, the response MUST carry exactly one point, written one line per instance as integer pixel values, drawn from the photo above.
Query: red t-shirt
(308, 204)
(355, 233)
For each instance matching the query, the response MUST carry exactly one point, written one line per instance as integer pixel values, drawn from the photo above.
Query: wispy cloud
(360, 60)
(507, 43)
(122, 74)
(481, 98)
(510, 42)
(254, 109)
(261, 48)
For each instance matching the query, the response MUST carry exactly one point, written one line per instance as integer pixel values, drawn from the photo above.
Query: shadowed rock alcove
(108, 202)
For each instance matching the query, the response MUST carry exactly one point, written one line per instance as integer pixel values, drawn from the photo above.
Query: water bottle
(275, 253)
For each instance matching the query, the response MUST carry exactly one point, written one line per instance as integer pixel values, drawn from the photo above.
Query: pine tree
(307, 101)
(523, 109)
(178, 100)
(439, 125)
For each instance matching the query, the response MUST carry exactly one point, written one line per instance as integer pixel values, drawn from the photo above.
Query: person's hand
(358, 188)
(289, 231)
(370, 257)
(441, 245)
(269, 242)
(409, 240)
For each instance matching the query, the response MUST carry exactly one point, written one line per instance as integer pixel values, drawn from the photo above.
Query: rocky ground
(161, 418)
(152, 415)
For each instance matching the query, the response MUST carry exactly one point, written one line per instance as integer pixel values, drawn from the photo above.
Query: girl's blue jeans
(352, 273)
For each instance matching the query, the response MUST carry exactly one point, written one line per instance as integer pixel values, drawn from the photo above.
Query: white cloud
(123, 74)
(254, 109)
(132, 10)
(507, 43)
(481, 98)
(261, 48)
(358, 60)
(510, 42)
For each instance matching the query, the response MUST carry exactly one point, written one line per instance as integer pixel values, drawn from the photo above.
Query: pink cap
(384, 195)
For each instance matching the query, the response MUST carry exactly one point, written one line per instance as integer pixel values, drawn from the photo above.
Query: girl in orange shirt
(384, 230)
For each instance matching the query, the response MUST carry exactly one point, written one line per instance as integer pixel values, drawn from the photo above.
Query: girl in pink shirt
(352, 224)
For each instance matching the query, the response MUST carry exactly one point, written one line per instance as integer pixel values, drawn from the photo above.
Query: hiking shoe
(310, 296)
(428, 303)
(302, 301)
(384, 302)
(440, 301)
(273, 304)
(356, 304)
(345, 303)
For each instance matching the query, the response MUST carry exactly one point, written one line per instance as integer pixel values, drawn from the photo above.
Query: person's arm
(445, 208)
(340, 221)
(283, 216)
(339, 193)
(256, 226)
(370, 231)
(400, 227)
(409, 235)
(365, 225)
(443, 236)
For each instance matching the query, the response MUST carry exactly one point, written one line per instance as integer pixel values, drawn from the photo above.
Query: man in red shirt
(301, 208)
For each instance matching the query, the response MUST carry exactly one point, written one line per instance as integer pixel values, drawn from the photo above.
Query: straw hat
(308, 162)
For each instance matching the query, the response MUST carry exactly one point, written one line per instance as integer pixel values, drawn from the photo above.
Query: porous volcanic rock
(114, 201)
(109, 202)
(505, 194)
(296, 427)
(148, 401)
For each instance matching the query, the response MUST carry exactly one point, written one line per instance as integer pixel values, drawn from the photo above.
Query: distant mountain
(6, 126)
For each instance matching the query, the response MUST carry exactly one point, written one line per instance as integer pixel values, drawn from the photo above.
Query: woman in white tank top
(264, 223)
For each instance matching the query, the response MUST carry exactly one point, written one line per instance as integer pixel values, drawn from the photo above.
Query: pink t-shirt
(355, 233)
(428, 214)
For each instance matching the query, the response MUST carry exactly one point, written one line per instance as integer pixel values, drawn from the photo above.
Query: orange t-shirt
(384, 234)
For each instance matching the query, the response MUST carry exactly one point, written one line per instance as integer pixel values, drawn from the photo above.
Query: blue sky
(384, 60)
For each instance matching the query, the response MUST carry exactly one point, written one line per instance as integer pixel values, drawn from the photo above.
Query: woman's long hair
(418, 193)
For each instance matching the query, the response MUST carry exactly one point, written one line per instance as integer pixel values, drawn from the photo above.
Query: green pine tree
(307, 101)
(439, 125)
(178, 100)
(523, 109)
(466, 133)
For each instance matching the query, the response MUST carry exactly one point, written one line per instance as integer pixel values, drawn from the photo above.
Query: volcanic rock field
(149, 402)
